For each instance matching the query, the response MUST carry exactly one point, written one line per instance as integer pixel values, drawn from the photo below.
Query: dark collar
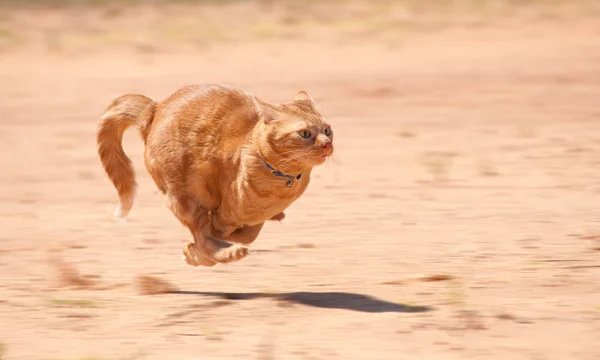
(291, 178)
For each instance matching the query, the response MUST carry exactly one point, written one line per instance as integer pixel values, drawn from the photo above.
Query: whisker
(288, 159)
(291, 151)
(293, 157)
(286, 164)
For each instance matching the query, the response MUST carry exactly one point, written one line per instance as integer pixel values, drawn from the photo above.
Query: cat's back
(213, 110)
(194, 129)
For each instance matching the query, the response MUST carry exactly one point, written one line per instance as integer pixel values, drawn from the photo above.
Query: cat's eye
(305, 134)
(328, 131)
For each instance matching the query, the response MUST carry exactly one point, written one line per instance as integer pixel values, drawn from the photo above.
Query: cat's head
(296, 133)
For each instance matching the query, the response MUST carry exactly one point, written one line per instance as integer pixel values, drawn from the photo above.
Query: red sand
(459, 219)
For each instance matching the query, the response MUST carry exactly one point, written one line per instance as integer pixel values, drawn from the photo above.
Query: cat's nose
(326, 145)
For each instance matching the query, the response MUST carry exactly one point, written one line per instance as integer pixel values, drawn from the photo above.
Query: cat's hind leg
(206, 250)
(192, 216)
(207, 247)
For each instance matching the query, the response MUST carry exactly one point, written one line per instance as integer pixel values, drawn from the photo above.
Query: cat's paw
(231, 253)
(278, 217)
(193, 256)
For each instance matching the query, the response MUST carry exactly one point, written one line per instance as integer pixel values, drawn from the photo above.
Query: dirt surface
(458, 220)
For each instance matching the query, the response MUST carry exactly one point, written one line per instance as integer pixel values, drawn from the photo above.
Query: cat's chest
(263, 209)
(256, 205)
(272, 203)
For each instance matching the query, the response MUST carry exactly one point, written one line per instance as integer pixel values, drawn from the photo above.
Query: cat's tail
(125, 111)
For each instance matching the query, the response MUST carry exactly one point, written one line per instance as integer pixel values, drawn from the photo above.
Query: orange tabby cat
(225, 160)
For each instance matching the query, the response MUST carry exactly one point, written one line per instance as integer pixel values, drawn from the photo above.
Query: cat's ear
(266, 111)
(268, 114)
(303, 96)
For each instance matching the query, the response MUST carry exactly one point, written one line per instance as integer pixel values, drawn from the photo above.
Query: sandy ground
(459, 219)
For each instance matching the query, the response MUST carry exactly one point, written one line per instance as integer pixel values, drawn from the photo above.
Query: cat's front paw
(231, 253)
(278, 217)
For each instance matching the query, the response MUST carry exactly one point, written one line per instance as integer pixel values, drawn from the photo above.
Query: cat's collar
(292, 178)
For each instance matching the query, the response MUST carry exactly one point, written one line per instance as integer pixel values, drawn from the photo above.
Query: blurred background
(458, 218)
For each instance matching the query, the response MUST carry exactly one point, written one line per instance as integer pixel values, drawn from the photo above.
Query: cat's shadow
(328, 300)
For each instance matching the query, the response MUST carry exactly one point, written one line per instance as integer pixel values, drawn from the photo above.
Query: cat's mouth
(321, 158)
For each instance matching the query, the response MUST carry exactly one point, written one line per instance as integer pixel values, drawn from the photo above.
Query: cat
(225, 161)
